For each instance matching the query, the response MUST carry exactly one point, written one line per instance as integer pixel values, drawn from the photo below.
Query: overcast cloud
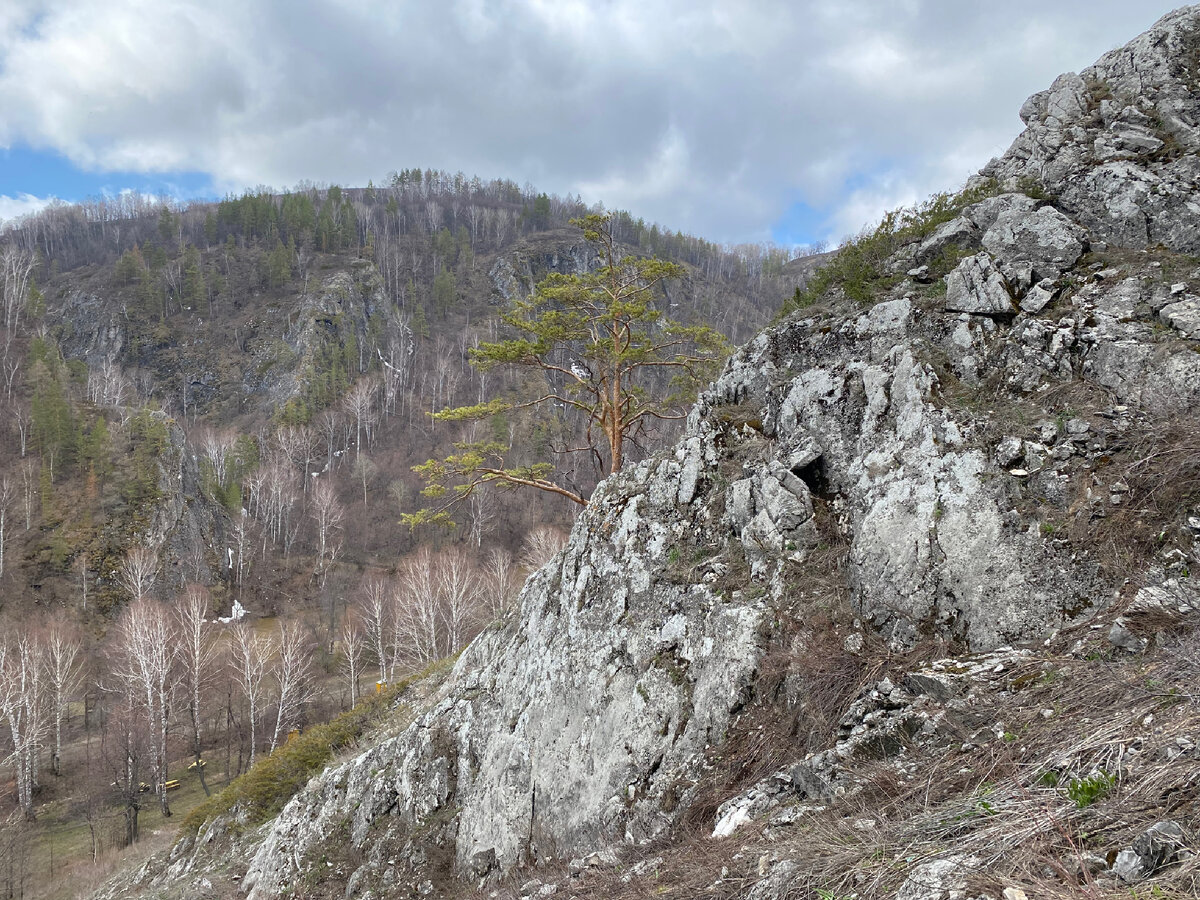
(733, 120)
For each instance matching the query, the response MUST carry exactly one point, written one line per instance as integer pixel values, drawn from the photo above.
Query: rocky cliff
(934, 546)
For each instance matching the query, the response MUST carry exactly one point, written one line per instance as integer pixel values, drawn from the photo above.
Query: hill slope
(907, 611)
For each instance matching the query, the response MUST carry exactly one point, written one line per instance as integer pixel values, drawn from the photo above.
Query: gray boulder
(1046, 239)
(1157, 847)
(976, 286)
(1184, 316)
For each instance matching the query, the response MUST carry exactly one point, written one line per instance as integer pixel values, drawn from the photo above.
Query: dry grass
(1161, 470)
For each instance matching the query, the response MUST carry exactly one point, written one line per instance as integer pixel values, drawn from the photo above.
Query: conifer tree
(594, 339)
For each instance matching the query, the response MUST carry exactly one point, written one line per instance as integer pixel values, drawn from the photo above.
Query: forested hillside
(216, 407)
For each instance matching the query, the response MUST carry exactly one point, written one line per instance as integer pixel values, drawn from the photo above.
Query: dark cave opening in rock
(812, 473)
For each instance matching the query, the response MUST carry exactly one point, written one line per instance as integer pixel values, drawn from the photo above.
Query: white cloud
(20, 205)
(709, 117)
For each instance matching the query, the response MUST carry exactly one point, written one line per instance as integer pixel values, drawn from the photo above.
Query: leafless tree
(273, 499)
(139, 571)
(12, 366)
(125, 747)
(327, 515)
(352, 652)
(501, 581)
(217, 446)
(16, 273)
(249, 654)
(19, 416)
(196, 656)
(241, 545)
(379, 623)
(20, 709)
(417, 622)
(107, 385)
(145, 640)
(8, 496)
(480, 513)
(540, 545)
(332, 429)
(459, 597)
(29, 489)
(299, 444)
(359, 402)
(364, 470)
(64, 670)
(420, 633)
(292, 674)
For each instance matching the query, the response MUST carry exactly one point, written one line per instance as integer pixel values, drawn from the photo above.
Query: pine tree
(593, 339)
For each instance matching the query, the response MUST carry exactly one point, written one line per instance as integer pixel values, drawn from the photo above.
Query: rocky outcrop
(1116, 144)
(585, 721)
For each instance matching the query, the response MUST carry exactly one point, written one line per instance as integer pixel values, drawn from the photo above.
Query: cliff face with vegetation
(907, 611)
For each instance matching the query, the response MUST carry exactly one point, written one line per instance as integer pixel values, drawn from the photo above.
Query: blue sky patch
(47, 174)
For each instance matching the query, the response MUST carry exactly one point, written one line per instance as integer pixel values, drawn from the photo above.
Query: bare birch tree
(540, 545)
(8, 496)
(64, 670)
(292, 674)
(139, 571)
(418, 623)
(249, 654)
(459, 598)
(145, 666)
(359, 402)
(327, 514)
(196, 655)
(379, 623)
(501, 582)
(20, 711)
(352, 652)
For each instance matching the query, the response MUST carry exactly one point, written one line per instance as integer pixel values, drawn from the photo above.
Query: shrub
(858, 267)
(1086, 791)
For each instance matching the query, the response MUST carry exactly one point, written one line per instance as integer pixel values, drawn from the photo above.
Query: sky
(735, 120)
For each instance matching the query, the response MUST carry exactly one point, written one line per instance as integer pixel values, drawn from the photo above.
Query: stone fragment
(934, 686)
(958, 232)
(1120, 636)
(1009, 451)
(1183, 316)
(939, 879)
(1039, 297)
(601, 859)
(976, 286)
(1157, 847)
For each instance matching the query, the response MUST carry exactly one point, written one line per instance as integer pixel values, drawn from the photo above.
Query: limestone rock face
(1117, 143)
(577, 724)
(586, 720)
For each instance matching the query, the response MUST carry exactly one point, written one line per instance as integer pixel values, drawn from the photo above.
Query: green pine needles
(593, 343)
